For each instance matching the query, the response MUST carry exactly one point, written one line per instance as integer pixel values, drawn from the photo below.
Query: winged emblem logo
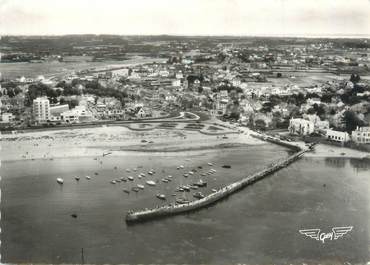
(336, 233)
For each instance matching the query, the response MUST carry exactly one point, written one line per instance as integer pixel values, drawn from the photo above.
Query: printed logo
(336, 233)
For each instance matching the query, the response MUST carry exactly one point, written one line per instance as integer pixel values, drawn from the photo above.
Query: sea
(258, 225)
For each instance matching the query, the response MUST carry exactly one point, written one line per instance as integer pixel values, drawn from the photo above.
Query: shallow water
(257, 225)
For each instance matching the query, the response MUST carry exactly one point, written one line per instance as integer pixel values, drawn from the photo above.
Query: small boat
(186, 175)
(180, 189)
(113, 182)
(96, 173)
(193, 187)
(151, 183)
(161, 196)
(191, 173)
(226, 166)
(74, 215)
(181, 166)
(201, 183)
(203, 174)
(186, 188)
(182, 201)
(210, 164)
(136, 189)
(169, 177)
(107, 153)
(128, 170)
(140, 186)
(130, 178)
(126, 191)
(198, 195)
(142, 174)
(214, 190)
(60, 180)
(139, 176)
(77, 178)
(88, 177)
(135, 169)
(150, 172)
(115, 167)
(165, 180)
(123, 179)
(118, 180)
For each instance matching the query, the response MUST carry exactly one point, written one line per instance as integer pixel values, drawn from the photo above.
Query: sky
(186, 17)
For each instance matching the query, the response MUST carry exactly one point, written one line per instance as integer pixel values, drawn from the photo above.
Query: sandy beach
(114, 139)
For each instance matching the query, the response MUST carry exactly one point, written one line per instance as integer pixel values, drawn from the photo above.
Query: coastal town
(314, 90)
(185, 132)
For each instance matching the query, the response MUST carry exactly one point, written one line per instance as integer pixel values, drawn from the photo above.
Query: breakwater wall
(168, 210)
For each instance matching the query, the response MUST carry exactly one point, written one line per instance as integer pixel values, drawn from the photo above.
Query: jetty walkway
(168, 210)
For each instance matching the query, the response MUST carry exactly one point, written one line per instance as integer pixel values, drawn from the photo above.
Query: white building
(41, 109)
(337, 136)
(7, 117)
(361, 135)
(79, 113)
(300, 127)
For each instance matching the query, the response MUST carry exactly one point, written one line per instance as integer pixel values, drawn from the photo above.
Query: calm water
(257, 225)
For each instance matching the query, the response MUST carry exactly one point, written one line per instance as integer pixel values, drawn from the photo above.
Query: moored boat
(60, 180)
(161, 196)
(151, 183)
(198, 195)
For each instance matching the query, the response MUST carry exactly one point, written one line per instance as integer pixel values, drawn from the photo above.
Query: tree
(351, 121)
(355, 78)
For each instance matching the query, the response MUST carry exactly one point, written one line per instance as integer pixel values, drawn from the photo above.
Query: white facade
(41, 109)
(300, 127)
(337, 136)
(7, 117)
(361, 135)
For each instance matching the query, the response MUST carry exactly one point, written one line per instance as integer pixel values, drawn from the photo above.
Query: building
(337, 136)
(58, 109)
(300, 126)
(7, 118)
(41, 109)
(361, 135)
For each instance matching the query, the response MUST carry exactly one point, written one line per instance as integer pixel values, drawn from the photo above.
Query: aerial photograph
(185, 132)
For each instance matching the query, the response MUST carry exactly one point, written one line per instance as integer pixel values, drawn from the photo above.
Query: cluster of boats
(151, 172)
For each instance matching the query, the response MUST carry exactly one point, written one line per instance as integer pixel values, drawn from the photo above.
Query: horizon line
(308, 36)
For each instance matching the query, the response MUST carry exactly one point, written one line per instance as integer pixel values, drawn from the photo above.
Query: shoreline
(119, 139)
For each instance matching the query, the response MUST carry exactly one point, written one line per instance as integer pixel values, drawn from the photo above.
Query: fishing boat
(60, 180)
(130, 178)
(181, 166)
(140, 186)
(150, 172)
(161, 196)
(226, 166)
(77, 178)
(151, 183)
(87, 177)
(198, 195)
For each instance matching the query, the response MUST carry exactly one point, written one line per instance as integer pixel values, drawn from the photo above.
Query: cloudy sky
(185, 17)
